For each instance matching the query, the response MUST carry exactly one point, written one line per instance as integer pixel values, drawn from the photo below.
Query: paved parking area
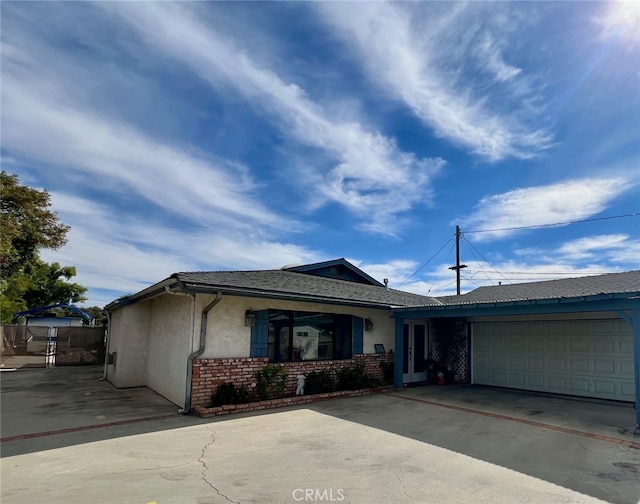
(46, 400)
(417, 446)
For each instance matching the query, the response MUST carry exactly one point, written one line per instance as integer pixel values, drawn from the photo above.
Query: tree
(28, 225)
(48, 287)
(97, 313)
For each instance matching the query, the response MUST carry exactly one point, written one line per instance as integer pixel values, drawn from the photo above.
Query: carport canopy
(41, 309)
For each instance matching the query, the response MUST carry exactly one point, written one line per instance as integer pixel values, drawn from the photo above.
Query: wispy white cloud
(44, 122)
(419, 59)
(588, 247)
(133, 254)
(492, 58)
(369, 174)
(396, 271)
(608, 250)
(541, 205)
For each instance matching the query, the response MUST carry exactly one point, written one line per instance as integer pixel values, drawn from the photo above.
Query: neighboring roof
(611, 283)
(340, 269)
(294, 285)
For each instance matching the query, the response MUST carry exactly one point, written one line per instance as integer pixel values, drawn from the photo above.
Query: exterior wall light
(249, 318)
(368, 324)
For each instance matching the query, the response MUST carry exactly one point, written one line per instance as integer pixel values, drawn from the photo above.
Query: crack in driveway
(205, 468)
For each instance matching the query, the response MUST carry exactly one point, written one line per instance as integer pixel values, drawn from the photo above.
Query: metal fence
(25, 347)
(79, 345)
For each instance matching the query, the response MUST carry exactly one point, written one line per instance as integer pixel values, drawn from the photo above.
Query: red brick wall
(209, 373)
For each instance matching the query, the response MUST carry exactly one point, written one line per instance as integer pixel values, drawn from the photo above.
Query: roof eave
(145, 294)
(623, 300)
(289, 296)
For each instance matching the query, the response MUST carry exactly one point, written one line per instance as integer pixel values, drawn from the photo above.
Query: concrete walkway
(387, 448)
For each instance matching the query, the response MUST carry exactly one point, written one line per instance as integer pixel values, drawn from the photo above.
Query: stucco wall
(227, 336)
(169, 346)
(128, 337)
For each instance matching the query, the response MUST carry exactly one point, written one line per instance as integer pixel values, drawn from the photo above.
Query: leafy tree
(48, 285)
(96, 312)
(28, 225)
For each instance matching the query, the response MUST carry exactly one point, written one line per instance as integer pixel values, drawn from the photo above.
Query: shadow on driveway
(39, 401)
(43, 402)
(607, 470)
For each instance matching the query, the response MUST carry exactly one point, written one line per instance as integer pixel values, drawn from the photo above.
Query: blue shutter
(260, 335)
(358, 335)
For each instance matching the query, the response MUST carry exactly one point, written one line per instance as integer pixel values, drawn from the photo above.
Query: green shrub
(271, 381)
(320, 382)
(227, 393)
(353, 377)
(243, 395)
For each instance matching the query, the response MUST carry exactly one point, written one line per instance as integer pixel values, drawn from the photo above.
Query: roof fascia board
(519, 308)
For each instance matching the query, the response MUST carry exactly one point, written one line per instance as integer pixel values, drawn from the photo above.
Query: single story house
(192, 331)
(575, 336)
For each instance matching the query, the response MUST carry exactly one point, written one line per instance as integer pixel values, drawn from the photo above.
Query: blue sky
(216, 136)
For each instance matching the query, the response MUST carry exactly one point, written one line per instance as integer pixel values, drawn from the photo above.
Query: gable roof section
(340, 269)
(285, 284)
(611, 283)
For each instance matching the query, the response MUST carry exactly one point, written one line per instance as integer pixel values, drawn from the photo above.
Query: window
(299, 336)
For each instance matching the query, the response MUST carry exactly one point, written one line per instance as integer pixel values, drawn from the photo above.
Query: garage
(587, 358)
(574, 336)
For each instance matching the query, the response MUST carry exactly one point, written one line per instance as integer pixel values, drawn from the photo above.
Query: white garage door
(591, 358)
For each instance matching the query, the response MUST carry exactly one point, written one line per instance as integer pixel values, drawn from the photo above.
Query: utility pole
(458, 266)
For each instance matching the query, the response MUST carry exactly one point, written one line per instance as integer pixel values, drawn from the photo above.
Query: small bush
(271, 381)
(354, 377)
(227, 393)
(243, 395)
(320, 382)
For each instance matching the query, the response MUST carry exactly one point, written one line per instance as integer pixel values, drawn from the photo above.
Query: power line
(478, 262)
(485, 259)
(440, 273)
(635, 214)
(572, 273)
(428, 261)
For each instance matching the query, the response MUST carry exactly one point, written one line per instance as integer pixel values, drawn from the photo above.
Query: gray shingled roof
(611, 283)
(279, 283)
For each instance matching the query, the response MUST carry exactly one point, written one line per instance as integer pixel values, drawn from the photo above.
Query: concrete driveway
(423, 445)
(70, 397)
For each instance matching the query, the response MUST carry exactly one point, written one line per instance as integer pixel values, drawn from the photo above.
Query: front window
(299, 336)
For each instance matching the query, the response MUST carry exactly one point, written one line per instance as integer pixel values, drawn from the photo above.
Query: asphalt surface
(416, 446)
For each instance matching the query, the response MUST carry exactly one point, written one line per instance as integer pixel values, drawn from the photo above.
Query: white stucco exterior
(169, 346)
(227, 336)
(151, 340)
(129, 339)
(154, 338)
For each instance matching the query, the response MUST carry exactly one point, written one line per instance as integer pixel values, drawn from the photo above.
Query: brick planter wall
(209, 373)
(205, 412)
